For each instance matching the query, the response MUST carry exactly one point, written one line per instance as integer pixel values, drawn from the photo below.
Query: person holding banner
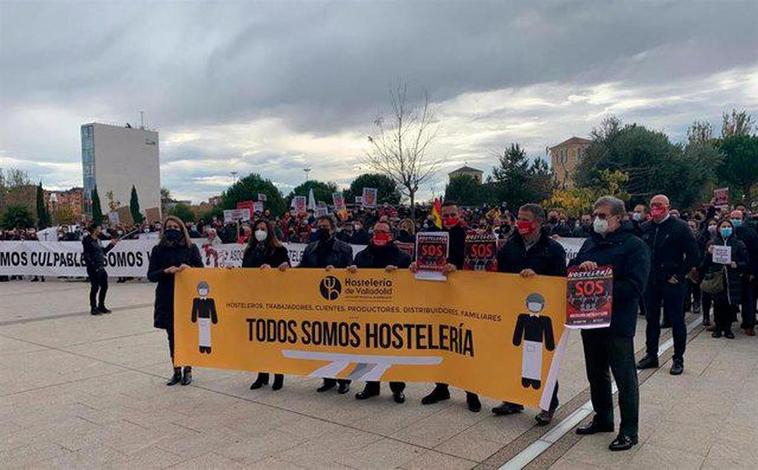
(748, 235)
(614, 244)
(174, 253)
(265, 251)
(327, 252)
(94, 257)
(451, 223)
(530, 251)
(381, 253)
(723, 278)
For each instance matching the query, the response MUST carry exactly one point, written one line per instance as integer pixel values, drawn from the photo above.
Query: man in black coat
(329, 253)
(614, 244)
(530, 251)
(673, 254)
(94, 259)
(381, 253)
(452, 223)
(749, 237)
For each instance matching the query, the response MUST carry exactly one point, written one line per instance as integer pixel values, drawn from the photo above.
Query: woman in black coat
(726, 302)
(264, 251)
(174, 253)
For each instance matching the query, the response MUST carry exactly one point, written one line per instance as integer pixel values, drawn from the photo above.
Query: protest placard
(722, 254)
(369, 198)
(480, 252)
(589, 298)
(431, 255)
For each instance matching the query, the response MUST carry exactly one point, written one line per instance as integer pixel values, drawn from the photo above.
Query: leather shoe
(729, 334)
(593, 428)
(325, 387)
(95, 311)
(677, 368)
(278, 382)
(365, 395)
(623, 442)
(343, 388)
(507, 409)
(435, 396)
(104, 309)
(648, 362)
(187, 378)
(399, 397)
(258, 384)
(750, 331)
(716, 334)
(544, 417)
(176, 378)
(474, 405)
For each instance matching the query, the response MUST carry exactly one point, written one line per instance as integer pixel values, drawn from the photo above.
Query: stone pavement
(88, 392)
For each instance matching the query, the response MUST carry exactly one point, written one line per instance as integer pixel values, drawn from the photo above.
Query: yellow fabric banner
(490, 333)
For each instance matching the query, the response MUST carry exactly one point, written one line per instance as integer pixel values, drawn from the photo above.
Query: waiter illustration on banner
(204, 313)
(535, 330)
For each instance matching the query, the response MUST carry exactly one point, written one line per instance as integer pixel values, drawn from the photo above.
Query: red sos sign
(590, 287)
(481, 250)
(432, 250)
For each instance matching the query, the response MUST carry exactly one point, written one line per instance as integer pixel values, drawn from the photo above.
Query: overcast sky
(276, 87)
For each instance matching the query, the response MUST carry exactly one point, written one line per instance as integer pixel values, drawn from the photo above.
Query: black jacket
(546, 257)
(734, 276)
(630, 259)
(255, 257)
(94, 253)
(375, 257)
(333, 252)
(457, 252)
(162, 257)
(749, 237)
(360, 237)
(673, 249)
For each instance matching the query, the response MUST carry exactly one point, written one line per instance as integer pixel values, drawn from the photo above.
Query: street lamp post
(306, 170)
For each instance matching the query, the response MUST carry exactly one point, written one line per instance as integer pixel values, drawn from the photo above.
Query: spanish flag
(437, 212)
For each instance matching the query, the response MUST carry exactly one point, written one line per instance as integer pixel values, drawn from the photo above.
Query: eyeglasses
(600, 215)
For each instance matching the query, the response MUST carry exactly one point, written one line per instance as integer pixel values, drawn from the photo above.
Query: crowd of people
(664, 265)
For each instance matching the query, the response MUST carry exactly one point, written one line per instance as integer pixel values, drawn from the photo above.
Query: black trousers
(605, 353)
(723, 313)
(440, 386)
(333, 382)
(706, 301)
(98, 281)
(671, 296)
(749, 289)
(395, 387)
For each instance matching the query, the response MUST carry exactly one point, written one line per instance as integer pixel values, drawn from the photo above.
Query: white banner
(130, 258)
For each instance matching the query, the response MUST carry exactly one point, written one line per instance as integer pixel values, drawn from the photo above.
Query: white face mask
(637, 216)
(600, 226)
(534, 307)
(261, 235)
(147, 230)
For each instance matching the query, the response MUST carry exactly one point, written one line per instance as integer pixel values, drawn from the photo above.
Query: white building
(114, 158)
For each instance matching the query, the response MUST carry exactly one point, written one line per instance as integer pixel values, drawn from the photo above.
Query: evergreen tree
(97, 212)
(43, 216)
(134, 207)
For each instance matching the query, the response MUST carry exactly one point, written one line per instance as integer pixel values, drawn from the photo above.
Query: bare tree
(700, 132)
(399, 148)
(737, 123)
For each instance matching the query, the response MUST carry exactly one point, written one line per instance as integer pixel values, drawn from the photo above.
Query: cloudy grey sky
(273, 87)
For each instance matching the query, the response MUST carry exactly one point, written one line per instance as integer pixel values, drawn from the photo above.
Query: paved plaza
(78, 391)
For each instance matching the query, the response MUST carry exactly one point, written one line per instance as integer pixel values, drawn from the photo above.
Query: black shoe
(677, 368)
(623, 442)
(176, 378)
(103, 309)
(507, 408)
(278, 382)
(437, 395)
(716, 334)
(366, 394)
(474, 405)
(343, 388)
(187, 378)
(593, 428)
(648, 362)
(544, 418)
(326, 387)
(95, 311)
(665, 325)
(399, 397)
(259, 382)
(729, 334)
(706, 322)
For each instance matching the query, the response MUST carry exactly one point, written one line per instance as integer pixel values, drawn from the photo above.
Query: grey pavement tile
(209, 461)
(658, 457)
(593, 450)
(328, 448)
(32, 455)
(673, 435)
(257, 447)
(568, 464)
(438, 461)
(439, 427)
(731, 454)
(385, 453)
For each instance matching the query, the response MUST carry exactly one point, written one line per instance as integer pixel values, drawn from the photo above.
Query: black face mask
(553, 220)
(323, 234)
(173, 234)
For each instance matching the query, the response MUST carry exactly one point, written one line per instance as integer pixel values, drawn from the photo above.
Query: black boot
(95, 311)
(440, 392)
(187, 379)
(278, 382)
(472, 400)
(103, 309)
(176, 378)
(260, 381)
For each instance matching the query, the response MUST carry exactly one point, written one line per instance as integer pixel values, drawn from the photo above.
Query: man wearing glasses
(614, 244)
